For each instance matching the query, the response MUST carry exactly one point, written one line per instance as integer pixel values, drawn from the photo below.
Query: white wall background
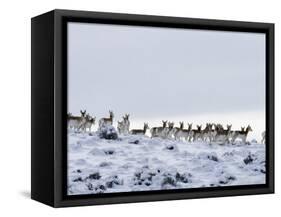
(15, 106)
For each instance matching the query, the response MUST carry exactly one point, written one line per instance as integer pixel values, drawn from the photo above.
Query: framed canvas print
(134, 108)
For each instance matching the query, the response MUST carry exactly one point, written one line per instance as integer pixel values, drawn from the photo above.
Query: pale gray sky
(164, 72)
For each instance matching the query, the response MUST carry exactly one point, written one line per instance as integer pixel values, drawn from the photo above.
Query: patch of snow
(140, 163)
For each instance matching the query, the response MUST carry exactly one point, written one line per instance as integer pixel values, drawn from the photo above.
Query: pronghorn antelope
(241, 134)
(213, 132)
(185, 134)
(140, 131)
(124, 126)
(74, 122)
(263, 137)
(222, 135)
(197, 133)
(106, 121)
(158, 131)
(189, 133)
(168, 131)
(90, 121)
(206, 133)
(177, 131)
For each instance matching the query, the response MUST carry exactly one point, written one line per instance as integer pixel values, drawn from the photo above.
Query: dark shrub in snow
(97, 188)
(79, 179)
(223, 182)
(227, 179)
(109, 152)
(90, 186)
(232, 178)
(144, 176)
(104, 164)
(94, 176)
(147, 183)
(171, 147)
(138, 175)
(182, 177)
(100, 188)
(135, 142)
(169, 180)
(114, 180)
(212, 157)
(107, 132)
(249, 159)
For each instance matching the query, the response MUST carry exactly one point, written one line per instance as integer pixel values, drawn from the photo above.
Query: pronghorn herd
(210, 133)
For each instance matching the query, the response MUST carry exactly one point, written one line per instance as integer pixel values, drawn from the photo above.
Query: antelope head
(126, 117)
(164, 123)
(249, 128)
(111, 115)
(83, 113)
(229, 127)
(181, 125)
(171, 125)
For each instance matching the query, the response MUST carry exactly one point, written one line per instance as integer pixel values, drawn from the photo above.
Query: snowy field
(139, 163)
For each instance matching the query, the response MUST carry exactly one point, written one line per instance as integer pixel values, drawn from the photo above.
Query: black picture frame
(49, 106)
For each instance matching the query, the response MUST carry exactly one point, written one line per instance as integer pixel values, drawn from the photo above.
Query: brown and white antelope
(158, 131)
(206, 133)
(186, 134)
(168, 131)
(140, 131)
(107, 121)
(197, 133)
(74, 122)
(90, 121)
(241, 134)
(124, 125)
(177, 131)
(223, 135)
(213, 132)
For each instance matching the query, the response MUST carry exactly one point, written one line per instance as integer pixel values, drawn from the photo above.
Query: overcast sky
(164, 72)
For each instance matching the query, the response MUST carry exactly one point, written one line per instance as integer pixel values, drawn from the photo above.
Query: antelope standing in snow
(177, 131)
(213, 132)
(222, 134)
(197, 133)
(241, 134)
(158, 131)
(186, 134)
(206, 133)
(76, 121)
(107, 121)
(168, 131)
(263, 137)
(90, 121)
(124, 126)
(140, 131)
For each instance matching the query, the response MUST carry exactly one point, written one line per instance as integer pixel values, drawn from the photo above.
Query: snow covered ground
(139, 163)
